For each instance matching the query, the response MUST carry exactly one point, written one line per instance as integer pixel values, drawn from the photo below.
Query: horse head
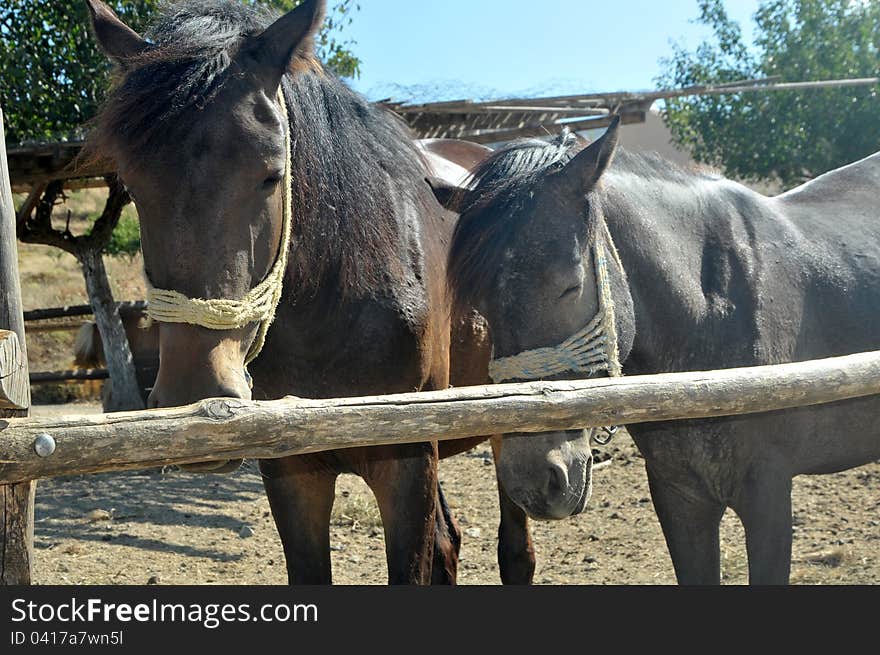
(197, 126)
(532, 254)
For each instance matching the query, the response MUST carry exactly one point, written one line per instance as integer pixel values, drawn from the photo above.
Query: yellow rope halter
(258, 305)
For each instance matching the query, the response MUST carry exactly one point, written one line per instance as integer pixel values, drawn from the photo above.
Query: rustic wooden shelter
(34, 166)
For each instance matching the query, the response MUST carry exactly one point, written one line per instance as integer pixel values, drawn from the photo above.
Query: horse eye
(571, 290)
(272, 181)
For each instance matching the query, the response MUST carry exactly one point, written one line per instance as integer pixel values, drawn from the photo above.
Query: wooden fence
(227, 428)
(53, 319)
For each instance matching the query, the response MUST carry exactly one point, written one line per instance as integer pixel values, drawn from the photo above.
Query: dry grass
(355, 506)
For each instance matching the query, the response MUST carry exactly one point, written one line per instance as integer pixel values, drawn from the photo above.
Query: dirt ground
(169, 527)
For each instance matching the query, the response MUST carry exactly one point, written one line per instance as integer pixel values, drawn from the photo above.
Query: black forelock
(491, 206)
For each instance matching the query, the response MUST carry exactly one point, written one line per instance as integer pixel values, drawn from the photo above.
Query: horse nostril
(557, 481)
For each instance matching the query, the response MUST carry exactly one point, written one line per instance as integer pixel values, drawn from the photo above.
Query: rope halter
(258, 305)
(588, 351)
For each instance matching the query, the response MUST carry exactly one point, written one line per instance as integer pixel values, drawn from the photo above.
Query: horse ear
(291, 36)
(592, 161)
(116, 39)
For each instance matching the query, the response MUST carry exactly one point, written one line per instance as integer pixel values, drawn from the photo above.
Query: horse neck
(360, 205)
(665, 233)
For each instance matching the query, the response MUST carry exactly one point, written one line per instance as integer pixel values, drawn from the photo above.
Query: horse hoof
(227, 466)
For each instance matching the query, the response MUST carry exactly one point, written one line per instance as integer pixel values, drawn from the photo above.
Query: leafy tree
(126, 236)
(791, 135)
(52, 76)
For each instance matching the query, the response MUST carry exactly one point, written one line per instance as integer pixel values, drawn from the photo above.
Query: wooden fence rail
(229, 428)
(125, 307)
(72, 375)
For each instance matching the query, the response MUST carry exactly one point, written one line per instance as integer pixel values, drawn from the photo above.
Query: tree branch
(103, 228)
(24, 213)
(38, 229)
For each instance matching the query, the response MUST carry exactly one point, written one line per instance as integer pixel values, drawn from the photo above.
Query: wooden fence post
(16, 500)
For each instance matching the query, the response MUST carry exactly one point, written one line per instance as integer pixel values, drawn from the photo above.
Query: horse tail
(88, 352)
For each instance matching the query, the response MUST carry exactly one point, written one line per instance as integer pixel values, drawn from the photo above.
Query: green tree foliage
(790, 136)
(336, 54)
(126, 236)
(52, 76)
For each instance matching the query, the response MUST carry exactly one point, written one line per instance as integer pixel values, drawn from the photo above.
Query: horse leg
(516, 553)
(764, 506)
(690, 522)
(404, 480)
(300, 493)
(447, 543)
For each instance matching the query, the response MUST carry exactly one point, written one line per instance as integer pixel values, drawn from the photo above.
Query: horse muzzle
(547, 484)
(196, 364)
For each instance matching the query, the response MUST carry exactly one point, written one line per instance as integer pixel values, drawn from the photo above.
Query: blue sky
(451, 49)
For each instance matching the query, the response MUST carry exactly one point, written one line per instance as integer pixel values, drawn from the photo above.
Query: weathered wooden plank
(230, 428)
(16, 500)
(14, 392)
(52, 161)
(72, 375)
(498, 136)
(125, 308)
(55, 326)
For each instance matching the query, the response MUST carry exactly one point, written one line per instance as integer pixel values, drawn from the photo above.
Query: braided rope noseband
(258, 305)
(590, 350)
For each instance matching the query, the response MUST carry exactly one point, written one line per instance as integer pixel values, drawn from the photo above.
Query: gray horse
(706, 274)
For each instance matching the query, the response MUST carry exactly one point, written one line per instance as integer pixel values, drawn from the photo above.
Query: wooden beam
(71, 184)
(125, 308)
(54, 326)
(227, 428)
(16, 500)
(72, 375)
(14, 393)
(498, 136)
(53, 161)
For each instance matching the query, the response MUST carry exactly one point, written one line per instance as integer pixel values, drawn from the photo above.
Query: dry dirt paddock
(169, 527)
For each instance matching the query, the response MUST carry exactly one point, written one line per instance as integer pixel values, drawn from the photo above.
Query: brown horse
(198, 136)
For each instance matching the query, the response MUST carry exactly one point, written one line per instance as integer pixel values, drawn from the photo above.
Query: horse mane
(490, 209)
(352, 162)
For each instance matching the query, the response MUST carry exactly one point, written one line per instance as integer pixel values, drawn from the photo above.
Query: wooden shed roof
(483, 122)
